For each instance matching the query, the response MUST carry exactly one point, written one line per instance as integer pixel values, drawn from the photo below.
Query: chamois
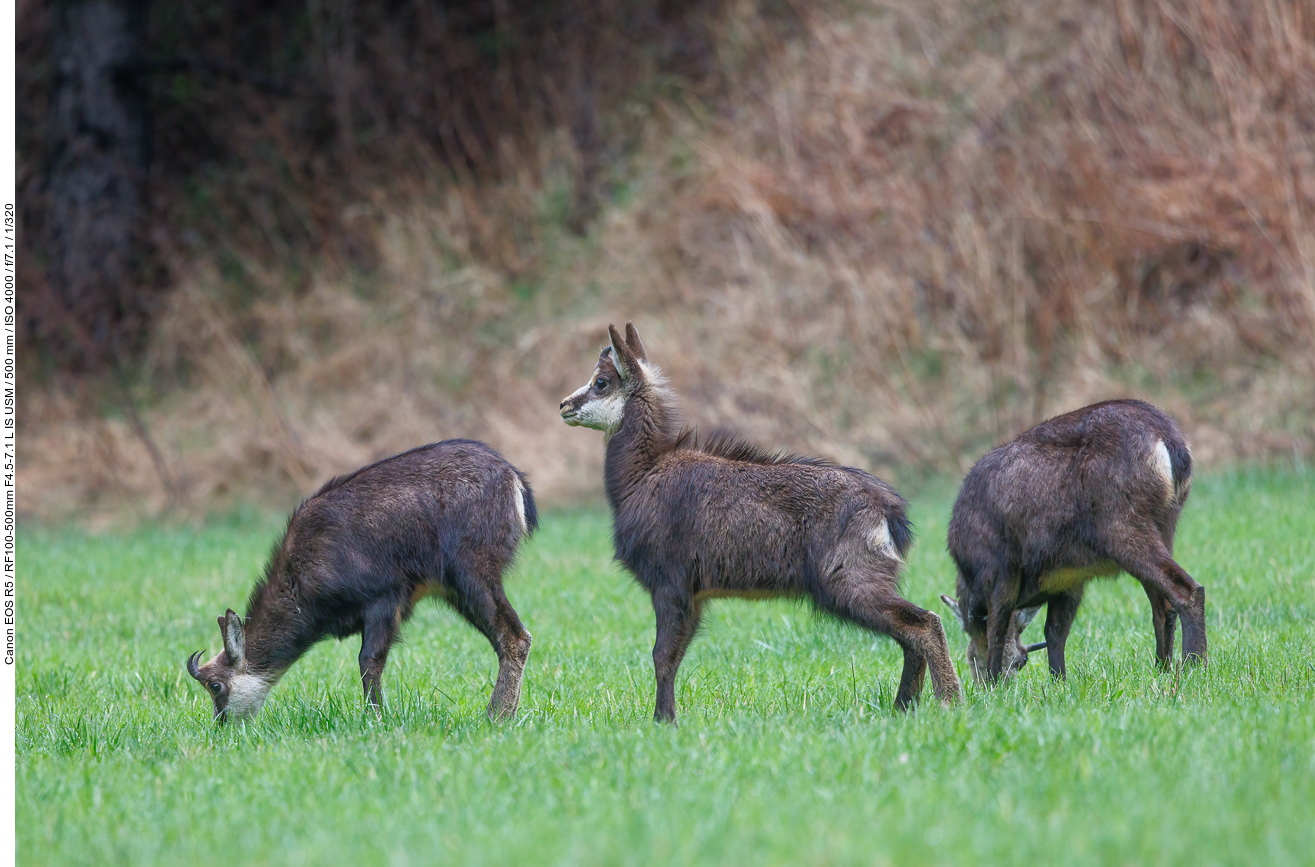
(723, 518)
(443, 519)
(1084, 495)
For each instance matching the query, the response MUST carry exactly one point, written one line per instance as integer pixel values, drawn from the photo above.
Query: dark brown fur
(1081, 492)
(359, 553)
(694, 520)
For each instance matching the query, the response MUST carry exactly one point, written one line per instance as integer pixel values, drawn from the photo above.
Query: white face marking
(603, 413)
(1014, 659)
(880, 542)
(1024, 616)
(519, 496)
(582, 389)
(246, 695)
(1163, 466)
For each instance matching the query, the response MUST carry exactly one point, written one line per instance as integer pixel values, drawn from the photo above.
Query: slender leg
(677, 621)
(1165, 621)
(1002, 602)
(998, 620)
(911, 677)
(484, 604)
(377, 635)
(1060, 611)
(1158, 571)
(917, 631)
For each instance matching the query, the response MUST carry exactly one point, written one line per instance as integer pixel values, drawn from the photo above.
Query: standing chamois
(723, 518)
(1083, 495)
(443, 519)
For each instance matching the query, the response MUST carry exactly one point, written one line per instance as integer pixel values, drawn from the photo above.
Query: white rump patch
(880, 542)
(1161, 464)
(519, 496)
(246, 695)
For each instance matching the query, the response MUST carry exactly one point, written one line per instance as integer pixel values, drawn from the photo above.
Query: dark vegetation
(895, 235)
(258, 133)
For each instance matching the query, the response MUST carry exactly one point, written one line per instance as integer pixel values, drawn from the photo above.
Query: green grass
(787, 753)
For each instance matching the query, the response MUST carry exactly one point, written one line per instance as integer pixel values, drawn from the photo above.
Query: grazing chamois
(1084, 495)
(722, 518)
(444, 519)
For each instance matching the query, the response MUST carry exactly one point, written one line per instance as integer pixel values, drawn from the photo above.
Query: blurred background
(267, 242)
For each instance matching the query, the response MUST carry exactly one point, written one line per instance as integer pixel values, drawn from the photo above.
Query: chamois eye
(216, 687)
(600, 383)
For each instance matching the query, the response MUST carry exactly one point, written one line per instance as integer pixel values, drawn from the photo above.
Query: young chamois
(1083, 495)
(723, 518)
(444, 519)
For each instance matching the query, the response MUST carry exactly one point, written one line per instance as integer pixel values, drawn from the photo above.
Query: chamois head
(236, 691)
(622, 368)
(1015, 655)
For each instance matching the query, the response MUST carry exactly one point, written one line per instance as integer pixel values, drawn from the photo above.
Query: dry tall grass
(901, 235)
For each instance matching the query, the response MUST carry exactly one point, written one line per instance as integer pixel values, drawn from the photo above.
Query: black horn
(1033, 648)
(192, 667)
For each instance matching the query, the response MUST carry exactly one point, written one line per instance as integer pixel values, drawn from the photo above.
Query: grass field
(787, 753)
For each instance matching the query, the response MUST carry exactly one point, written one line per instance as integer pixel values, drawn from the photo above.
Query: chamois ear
(636, 345)
(622, 358)
(954, 608)
(1024, 616)
(235, 637)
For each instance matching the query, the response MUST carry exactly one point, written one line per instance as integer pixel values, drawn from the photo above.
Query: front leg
(1003, 601)
(677, 621)
(377, 635)
(998, 620)
(1060, 611)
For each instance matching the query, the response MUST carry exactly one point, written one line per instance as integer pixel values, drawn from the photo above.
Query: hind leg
(878, 607)
(911, 677)
(1165, 620)
(377, 635)
(1157, 571)
(481, 600)
(1060, 611)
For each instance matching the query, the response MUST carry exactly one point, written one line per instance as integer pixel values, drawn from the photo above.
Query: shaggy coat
(719, 518)
(1083, 495)
(444, 519)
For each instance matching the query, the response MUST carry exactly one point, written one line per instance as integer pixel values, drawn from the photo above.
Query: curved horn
(192, 667)
(1033, 648)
